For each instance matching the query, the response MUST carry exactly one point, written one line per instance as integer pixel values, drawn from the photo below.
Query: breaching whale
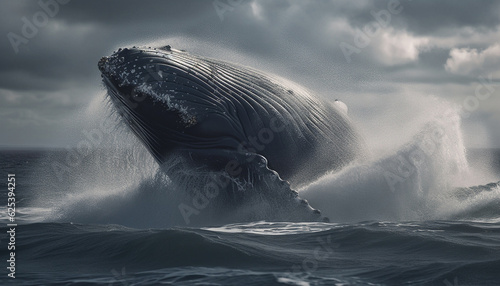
(256, 129)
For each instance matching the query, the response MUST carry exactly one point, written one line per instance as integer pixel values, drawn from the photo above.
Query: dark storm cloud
(433, 17)
(54, 73)
(296, 39)
(79, 32)
(425, 17)
(128, 12)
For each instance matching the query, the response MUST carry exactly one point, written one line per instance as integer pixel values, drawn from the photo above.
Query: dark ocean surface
(85, 248)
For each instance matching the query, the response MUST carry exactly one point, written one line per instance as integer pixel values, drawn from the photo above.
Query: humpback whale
(253, 128)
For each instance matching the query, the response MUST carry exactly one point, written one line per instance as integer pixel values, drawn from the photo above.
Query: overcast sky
(416, 50)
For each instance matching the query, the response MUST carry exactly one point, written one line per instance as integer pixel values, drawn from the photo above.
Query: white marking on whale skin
(188, 115)
(342, 106)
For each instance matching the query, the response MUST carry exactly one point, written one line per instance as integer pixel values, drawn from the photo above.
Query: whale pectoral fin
(288, 204)
(246, 182)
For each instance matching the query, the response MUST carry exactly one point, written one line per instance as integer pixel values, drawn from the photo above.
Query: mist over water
(416, 169)
(419, 172)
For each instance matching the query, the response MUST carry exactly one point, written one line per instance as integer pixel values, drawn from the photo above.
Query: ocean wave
(377, 251)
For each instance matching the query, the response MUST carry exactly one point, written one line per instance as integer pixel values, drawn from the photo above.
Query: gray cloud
(54, 75)
(441, 17)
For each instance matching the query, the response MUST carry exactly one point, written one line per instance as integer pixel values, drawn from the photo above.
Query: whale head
(164, 95)
(212, 111)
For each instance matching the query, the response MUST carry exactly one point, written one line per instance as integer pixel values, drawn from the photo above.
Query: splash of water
(417, 180)
(426, 177)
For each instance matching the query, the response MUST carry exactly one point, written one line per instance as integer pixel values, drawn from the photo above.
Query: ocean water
(53, 250)
(423, 212)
